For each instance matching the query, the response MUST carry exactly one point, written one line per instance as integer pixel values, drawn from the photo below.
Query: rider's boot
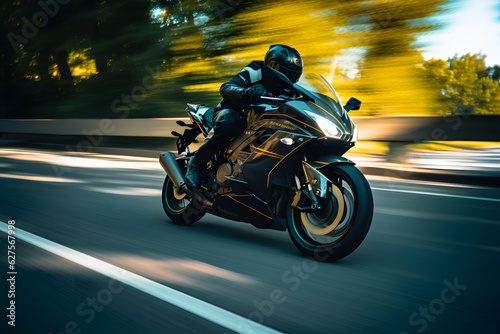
(195, 175)
(228, 124)
(197, 167)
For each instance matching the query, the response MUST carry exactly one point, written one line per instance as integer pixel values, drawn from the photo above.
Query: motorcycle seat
(202, 114)
(194, 106)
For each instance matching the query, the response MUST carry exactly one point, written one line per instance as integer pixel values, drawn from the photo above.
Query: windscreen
(322, 92)
(318, 84)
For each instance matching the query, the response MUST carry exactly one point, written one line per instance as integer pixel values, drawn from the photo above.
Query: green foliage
(464, 84)
(71, 59)
(147, 58)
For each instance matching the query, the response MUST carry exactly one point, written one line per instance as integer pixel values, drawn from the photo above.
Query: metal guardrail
(130, 127)
(429, 128)
(390, 129)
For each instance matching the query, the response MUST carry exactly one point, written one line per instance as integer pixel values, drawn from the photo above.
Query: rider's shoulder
(255, 65)
(252, 73)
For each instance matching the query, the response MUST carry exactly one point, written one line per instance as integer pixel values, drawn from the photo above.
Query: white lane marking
(81, 160)
(191, 304)
(127, 191)
(437, 194)
(33, 177)
(393, 180)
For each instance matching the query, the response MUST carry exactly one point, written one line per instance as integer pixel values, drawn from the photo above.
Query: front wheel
(179, 207)
(340, 226)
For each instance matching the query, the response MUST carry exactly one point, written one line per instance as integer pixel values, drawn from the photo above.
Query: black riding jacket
(233, 91)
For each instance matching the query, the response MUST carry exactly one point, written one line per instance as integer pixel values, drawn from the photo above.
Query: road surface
(430, 262)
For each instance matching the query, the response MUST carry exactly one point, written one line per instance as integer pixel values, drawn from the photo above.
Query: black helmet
(286, 60)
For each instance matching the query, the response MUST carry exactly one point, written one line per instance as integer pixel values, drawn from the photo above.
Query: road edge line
(186, 302)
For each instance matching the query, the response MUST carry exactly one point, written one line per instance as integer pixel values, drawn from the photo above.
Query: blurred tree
(232, 33)
(8, 91)
(196, 35)
(390, 81)
(121, 37)
(28, 54)
(308, 26)
(494, 72)
(40, 37)
(90, 52)
(379, 35)
(462, 85)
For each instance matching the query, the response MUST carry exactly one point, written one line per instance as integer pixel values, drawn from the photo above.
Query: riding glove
(253, 93)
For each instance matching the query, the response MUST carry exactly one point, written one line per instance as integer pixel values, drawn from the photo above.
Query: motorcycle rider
(253, 81)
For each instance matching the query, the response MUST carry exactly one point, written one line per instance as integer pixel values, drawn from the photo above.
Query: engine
(223, 172)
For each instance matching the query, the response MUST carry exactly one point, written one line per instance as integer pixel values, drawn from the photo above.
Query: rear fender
(202, 116)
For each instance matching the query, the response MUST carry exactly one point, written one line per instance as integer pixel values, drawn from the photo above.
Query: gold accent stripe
(291, 118)
(316, 170)
(269, 153)
(329, 114)
(199, 125)
(250, 207)
(268, 175)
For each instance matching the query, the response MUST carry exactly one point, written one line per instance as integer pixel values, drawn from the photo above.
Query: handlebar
(270, 98)
(275, 99)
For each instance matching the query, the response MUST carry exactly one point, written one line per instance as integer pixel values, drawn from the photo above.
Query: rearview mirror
(352, 104)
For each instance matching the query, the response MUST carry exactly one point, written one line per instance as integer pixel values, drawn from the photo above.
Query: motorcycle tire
(180, 208)
(341, 225)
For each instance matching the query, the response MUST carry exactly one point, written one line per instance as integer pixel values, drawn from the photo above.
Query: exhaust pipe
(170, 165)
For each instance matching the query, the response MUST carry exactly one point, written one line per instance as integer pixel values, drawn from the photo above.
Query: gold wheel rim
(325, 230)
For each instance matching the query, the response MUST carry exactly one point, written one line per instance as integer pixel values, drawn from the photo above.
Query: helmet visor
(293, 76)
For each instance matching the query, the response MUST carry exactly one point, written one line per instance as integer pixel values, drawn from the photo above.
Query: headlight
(326, 126)
(354, 133)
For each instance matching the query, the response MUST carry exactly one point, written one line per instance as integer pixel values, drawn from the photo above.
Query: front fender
(330, 159)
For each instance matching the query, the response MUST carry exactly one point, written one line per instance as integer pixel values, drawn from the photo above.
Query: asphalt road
(430, 263)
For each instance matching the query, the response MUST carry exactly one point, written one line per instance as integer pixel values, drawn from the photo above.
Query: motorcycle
(284, 172)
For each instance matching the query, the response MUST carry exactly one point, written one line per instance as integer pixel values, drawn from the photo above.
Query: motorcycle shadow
(246, 233)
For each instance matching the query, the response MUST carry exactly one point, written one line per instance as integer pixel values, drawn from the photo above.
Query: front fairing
(322, 100)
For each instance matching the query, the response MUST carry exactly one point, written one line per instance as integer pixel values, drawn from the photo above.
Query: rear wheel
(179, 207)
(340, 226)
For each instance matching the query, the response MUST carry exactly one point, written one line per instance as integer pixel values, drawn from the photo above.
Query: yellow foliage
(189, 42)
(393, 86)
(81, 64)
(306, 26)
(203, 87)
(384, 74)
(318, 30)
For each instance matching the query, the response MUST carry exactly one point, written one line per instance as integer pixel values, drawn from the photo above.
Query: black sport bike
(284, 172)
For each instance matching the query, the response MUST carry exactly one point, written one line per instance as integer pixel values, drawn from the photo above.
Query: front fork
(315, 186)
